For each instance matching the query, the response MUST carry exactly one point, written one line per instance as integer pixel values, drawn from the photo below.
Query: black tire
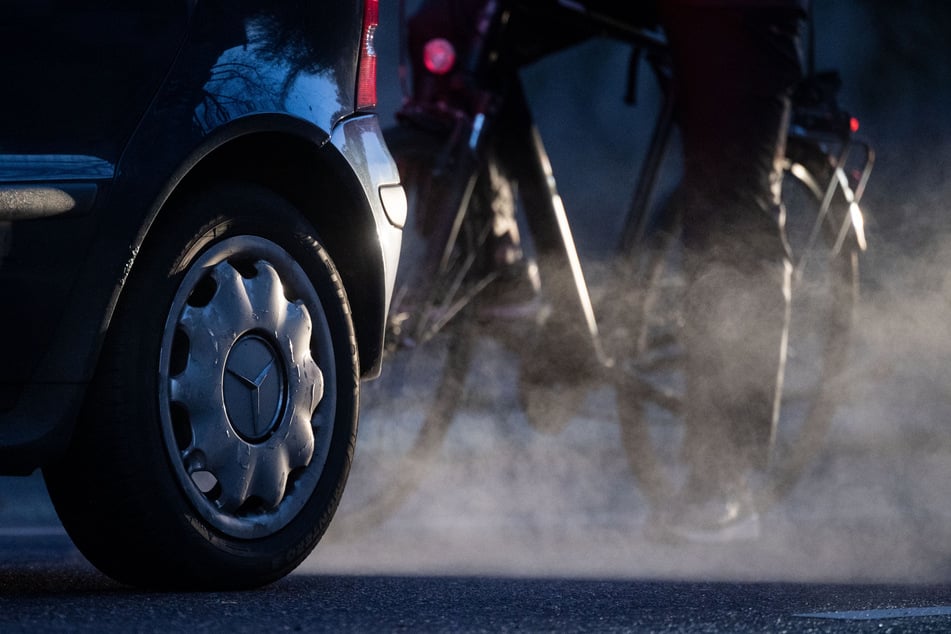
(406, 412)
(651, 379)
(174, 478)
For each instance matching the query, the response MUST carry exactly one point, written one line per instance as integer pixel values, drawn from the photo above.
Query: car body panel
(245, 90)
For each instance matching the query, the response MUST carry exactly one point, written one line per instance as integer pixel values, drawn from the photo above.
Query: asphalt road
(45, 587)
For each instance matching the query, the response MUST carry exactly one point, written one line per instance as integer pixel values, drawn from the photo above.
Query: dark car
(199, 230)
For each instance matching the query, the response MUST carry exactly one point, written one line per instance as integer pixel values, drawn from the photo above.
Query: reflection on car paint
(244, 80)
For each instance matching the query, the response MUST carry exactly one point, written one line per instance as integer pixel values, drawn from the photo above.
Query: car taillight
(366, 71)
(439, 56)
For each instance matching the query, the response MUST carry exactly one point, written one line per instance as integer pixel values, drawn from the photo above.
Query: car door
(76, 77)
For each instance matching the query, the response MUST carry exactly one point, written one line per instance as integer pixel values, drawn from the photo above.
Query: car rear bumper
(360, 141)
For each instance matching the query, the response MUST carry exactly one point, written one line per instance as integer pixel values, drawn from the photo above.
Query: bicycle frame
(497, 112)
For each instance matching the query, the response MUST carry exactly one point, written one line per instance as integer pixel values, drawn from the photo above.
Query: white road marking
(873, 615)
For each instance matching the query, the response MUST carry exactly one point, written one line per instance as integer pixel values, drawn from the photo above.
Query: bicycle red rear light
(439, 56)
(854, 124)
(366, 71)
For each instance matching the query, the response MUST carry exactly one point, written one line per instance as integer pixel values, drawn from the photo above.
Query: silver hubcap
(246, 418)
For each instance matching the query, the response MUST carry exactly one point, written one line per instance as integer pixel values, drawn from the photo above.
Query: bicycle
(458, 161)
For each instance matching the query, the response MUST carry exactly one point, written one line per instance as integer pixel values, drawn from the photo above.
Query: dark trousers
(734, 70)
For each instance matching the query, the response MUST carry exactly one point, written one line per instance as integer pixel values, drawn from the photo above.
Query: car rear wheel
(218, 432)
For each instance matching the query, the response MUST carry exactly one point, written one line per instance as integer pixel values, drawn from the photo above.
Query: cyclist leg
(735, 68)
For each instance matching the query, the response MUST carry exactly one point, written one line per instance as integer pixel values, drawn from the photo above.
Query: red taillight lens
(439, 56)
(366, 72)
(854, 124)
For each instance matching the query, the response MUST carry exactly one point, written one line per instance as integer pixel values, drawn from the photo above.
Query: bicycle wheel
(406, 412)
(651, 381)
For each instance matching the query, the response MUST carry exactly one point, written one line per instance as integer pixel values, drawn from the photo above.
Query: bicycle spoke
(461, 303)
(461, 289)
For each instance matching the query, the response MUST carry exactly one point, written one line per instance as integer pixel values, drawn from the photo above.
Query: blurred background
(503, 498)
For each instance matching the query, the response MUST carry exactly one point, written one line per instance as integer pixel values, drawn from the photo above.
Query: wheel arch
(319, 182)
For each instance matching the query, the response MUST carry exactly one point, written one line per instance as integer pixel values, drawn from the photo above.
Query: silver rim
(247, 386)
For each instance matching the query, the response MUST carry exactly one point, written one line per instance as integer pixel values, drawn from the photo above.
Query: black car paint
(114, 110)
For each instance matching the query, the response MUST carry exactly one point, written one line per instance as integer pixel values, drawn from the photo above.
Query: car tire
(217, 434)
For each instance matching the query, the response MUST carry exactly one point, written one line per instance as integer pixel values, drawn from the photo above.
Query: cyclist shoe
(721, 517)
